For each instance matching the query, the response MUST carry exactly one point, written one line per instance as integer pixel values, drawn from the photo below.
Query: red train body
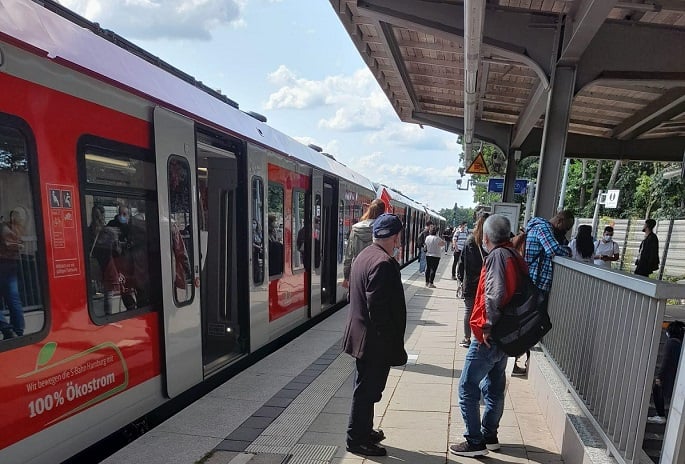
(163, 233)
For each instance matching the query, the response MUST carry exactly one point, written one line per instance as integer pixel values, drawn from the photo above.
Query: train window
(275, 229)
(121, 228)
(22, 310)
(299, 245)
(180, 224)
(317, 231)
(119, 169)
(342, 236)
(257, 230)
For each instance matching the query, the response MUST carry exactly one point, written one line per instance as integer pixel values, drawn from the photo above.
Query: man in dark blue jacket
(374, 335)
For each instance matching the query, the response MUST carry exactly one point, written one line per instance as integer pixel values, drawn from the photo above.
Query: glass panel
(257, 230)
(317, 231)
(275, 229)
(180, 220)
(21, 300)
(119, 169)
(120, 250)
(341, 231)
(299, 245)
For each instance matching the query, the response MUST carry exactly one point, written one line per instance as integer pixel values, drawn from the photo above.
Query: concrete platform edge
(572, 431)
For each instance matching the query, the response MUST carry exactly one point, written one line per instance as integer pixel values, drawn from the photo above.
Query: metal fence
(604, 342)
(628, 234)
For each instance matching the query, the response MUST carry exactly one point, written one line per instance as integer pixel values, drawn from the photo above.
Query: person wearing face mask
(120, 224)
(648, 259)
(606, 250)
(483, 374)
(374, 333)
(360, 237)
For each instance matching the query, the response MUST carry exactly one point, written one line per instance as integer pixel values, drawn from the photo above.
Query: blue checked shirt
(541, 247)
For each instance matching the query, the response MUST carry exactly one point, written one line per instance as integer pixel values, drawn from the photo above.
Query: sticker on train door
(63, 236)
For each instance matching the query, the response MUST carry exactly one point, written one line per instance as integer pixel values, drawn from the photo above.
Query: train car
(413, 217)
(152, 232)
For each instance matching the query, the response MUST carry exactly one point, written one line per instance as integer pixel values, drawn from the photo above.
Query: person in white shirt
(458, 240)
(606, 250)
(434, 246)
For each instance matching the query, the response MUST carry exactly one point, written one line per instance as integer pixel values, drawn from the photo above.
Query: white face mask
(607, 238)
(395, 252)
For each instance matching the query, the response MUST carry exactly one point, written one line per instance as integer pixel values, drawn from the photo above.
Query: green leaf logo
(46, 353)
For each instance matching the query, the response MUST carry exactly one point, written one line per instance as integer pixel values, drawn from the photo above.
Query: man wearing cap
(648, 260)
(374, 334)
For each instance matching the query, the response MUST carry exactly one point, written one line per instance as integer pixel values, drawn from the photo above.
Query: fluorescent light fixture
(105, 160)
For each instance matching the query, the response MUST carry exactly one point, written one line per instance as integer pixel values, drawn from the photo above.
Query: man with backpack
(485, 364)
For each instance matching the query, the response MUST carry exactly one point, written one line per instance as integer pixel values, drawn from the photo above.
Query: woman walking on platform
(433, 246)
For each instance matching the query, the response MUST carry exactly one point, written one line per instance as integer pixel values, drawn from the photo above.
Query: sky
(293, 61)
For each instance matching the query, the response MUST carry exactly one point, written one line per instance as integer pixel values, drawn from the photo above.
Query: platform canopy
(484, 69)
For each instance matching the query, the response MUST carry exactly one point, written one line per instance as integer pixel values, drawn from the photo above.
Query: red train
(153, 233)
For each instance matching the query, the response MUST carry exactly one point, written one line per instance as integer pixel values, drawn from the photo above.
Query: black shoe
(8, 333)
(519, 371)
(376, 436)
(368, 449)
(492, 443)
(467, 449)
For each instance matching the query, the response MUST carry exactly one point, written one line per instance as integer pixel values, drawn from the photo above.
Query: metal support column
(554, 140)
(509, 178)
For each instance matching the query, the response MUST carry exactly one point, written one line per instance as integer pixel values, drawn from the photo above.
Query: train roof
(434, 214)
(399, 196)
(57, 36)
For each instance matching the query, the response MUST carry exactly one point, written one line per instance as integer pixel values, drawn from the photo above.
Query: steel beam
(554, 140)
(588, 19)
(531, 114)
(664, 108)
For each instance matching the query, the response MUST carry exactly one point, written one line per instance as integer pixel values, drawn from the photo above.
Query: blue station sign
(497, 185)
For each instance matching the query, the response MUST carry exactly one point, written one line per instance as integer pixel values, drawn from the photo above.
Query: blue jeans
(483, 373)
(9, 291)
(422, 261)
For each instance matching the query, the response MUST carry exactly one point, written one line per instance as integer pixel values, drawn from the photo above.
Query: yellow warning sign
(478, 165)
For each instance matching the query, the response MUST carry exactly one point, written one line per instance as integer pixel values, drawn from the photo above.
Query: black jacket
(470, 264)
(648, 261)
(377, 315)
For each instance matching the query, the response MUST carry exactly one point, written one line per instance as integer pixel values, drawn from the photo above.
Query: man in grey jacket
(374, 335)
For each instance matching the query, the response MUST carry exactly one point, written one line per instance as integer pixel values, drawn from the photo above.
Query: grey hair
(497, 229)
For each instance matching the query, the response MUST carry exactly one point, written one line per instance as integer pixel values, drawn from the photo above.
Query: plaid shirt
(541, 247)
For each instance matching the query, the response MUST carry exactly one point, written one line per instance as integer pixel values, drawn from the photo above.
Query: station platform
(293, 406)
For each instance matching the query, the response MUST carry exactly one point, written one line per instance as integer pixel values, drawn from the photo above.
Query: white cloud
(359, 103)
(413, 136)
(154, 19)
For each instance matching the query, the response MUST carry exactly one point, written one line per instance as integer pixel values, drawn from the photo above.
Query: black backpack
(524, 320)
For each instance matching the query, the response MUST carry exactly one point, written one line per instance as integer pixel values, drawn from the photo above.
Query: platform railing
(604, 342)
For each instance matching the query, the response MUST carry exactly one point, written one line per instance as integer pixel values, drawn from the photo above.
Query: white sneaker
(656, 420)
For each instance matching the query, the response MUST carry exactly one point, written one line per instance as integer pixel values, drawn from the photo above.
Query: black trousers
(368, 388)
(454, 263)
(432, 268)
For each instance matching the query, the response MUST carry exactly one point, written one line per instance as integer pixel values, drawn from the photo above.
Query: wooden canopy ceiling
(630, 82)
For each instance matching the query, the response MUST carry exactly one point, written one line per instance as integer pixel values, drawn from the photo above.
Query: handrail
(605, 339)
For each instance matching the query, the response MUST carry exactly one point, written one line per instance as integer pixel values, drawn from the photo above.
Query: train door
(329, 238)
(315, 275)
(176, 185)
(222, 337)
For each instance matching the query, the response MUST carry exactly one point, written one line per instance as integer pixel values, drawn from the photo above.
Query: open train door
(178, 234)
